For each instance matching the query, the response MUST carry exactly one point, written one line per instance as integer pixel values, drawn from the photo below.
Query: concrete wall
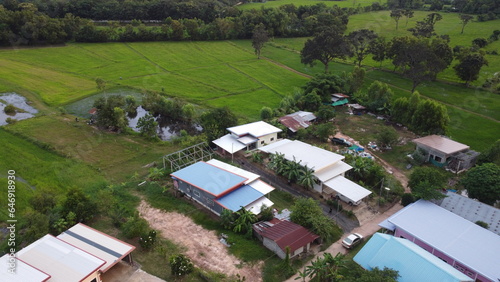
(271, 245)
(267, 139)
(202, 197)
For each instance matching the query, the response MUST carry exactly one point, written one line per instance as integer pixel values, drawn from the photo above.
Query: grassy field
(199, 72)
(274, 4)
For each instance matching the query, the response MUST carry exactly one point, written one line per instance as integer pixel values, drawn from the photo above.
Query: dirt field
(203, 246)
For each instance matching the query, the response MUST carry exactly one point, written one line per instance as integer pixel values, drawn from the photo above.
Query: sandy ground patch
(203, 246)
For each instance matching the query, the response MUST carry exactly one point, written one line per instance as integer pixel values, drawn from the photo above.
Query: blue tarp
(240, 197)
(340, 102)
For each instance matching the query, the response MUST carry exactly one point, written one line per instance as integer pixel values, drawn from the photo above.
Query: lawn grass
(274, 4)
(117, 156)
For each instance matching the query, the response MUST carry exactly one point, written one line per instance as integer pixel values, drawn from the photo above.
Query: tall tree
(378, 48)
(396, 15)
(360, 40)
(465, 19)
(408, 14)
(469, 66)
(426, 183)
(430, 117)
(326, 45)
(259, 38)
(425, 28)
(215, 122)
(482, 183)
(147, 126)
(377, 98)
(420, 59)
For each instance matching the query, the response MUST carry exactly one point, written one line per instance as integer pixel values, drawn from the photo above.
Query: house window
(261, 142)
(196, 193)
(272, 139)
(438, 159)
(400, 236)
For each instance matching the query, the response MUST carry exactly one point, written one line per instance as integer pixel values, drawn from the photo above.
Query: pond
(166, 128)
(18, 101)
(82, 107)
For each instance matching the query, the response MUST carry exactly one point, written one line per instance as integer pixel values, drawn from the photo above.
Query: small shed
(277, 235)
(297, 120)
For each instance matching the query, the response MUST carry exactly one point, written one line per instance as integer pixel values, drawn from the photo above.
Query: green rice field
(277, 3)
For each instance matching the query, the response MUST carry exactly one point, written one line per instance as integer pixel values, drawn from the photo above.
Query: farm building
(101, 245)
(471, 210)
(411, 261)
(277, 235)
(297, 120)
(464, 245)
(442, 151)
(329, 169)
(61, 260)
(219, 186)
(247, 136)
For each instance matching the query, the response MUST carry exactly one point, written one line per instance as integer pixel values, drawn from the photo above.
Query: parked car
(347, 200)
(352, 240)
(341, 141)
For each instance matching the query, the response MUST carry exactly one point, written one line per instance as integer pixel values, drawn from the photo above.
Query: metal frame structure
(188, 156)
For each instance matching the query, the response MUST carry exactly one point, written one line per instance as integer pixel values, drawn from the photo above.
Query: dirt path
(287, 67)
(203, 246)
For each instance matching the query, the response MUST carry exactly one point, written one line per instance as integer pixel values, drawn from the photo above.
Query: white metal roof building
(101, 245)
(21, 271)
(62, 261)
(461, 243)
(328, 167)
(471, 210)
(442, 144)
(256, 129)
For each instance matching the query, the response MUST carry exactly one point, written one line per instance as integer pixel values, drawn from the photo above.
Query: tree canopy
(360, 41)
(426, 183)
(482, 183)
(259, 38)
(215, 122)
(469, 66)
(326, 45)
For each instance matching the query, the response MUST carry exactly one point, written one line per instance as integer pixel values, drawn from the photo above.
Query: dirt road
(202, 246)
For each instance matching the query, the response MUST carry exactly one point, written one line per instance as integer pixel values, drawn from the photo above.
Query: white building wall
(271, 245)
(267, 139)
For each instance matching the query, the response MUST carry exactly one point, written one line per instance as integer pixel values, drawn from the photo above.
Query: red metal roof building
(277, 234)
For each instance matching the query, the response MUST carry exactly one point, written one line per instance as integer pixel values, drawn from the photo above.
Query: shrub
(134, 226)
(10, 109)
(147, 240)
(407, 199)
(10, 120)
(180, 265)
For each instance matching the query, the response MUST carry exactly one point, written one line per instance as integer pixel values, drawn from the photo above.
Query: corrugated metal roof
(472, 210)
(471, 245)
(62, 261)
(261, 186)
(411, 261)
(210, 178)
(256, 129)
(297, 120)
(441, 144)
(312, 156)
(348, 188)
(240, 197)
(229, 144)
(236, 170)
(286, 233)
(23, 271)
(97, 243)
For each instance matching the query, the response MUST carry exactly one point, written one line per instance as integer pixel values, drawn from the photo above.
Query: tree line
(26, 24)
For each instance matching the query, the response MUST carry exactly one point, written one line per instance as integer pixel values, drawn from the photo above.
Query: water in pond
(82, 107)
(17, 101)
(166, 128)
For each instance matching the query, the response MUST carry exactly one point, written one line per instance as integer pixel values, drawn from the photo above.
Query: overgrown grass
(116, 156)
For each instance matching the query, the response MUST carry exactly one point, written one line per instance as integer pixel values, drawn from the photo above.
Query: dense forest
(58, 21)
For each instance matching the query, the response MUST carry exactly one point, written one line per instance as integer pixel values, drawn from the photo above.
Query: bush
(180, 265)
(10, 120)
(134, 226)
(407, 199)
(10, 109)
(147, 240)
(482, 224)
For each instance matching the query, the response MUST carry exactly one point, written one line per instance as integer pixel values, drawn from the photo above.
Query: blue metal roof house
(411, 261)
(219, 186)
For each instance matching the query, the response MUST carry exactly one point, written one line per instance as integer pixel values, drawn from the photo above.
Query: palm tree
(244, 221)
(292, 170)
(277, 162)
(307, 177)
